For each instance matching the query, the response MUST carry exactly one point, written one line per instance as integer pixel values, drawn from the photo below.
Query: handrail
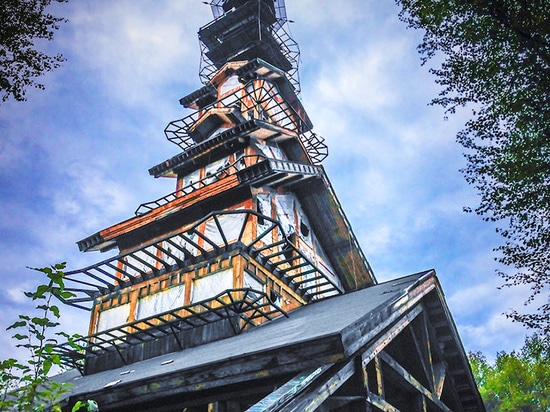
(272, 248)
(281, 112)
(243, 166)
(231, 169)
(246, 303)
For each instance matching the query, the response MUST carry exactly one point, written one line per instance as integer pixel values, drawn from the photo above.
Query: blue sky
(74, 158)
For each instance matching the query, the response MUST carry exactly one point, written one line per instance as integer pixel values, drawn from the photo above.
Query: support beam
(284, 393)
(317, 394)
(380, 403)
(387, 337)
(412, 381)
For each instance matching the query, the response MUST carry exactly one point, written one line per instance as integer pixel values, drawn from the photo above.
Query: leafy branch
(25, 386)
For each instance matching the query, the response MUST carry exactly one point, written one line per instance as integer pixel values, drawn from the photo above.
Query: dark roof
(315, 334)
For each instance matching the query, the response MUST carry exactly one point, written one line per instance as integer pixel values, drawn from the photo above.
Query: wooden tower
(245, 288)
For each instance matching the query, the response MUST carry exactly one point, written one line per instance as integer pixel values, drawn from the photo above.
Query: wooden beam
(335, 402)
(380, 403)
(284, 393)
(357, 338)
(379, 377)
(389, 336)
(316, 395)
(440, 371)
(217, 375)
(401, 371)
(178, 204)
(421, 341)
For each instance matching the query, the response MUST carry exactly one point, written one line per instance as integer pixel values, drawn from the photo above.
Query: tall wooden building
(245, 288)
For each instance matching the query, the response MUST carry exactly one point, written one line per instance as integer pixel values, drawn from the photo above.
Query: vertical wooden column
(379, 377)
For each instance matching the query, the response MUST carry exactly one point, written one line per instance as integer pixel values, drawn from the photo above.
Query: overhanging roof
(323, 333)
(317, 198)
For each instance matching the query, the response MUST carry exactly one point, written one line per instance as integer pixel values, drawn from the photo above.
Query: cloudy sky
(74, 158)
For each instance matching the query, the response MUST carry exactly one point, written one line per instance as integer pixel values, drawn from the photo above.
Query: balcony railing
(227, 231)
(252, 169)
(250, 306)
(288, 47)
(232, 169)
(262, 99)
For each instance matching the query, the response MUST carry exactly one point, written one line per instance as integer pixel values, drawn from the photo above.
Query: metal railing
(279, 30)
(250, 306)
(262, 101)
(271, 172)
(271, 248)
(233, 168)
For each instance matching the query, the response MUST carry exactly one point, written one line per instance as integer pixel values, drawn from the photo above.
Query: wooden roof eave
(230, 141)
(107, 238)
(244, 357)
(335, 233)
(207, 151)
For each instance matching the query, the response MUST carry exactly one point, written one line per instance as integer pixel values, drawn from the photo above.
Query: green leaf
(17, 324)
(47, 365)
(55, 311)
(41, 291)
(495, 57)
(77, 406)
(57, 278)
(40, 321)
(37, 392)
(89, 405)
(56, 359)
(66, 294)
(60, 266)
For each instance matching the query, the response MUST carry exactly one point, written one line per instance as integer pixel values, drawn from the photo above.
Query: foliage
(23, 23)
(516, 381)
(87, 405)
(25, 386)
(496, 59)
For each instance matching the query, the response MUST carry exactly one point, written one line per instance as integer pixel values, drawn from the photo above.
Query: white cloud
(135, 47)
(495, 334)
(327, 15)
(363, 83)
(16, 295)
(91, 189)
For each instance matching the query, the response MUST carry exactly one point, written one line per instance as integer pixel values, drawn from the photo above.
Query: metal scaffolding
(273, 27)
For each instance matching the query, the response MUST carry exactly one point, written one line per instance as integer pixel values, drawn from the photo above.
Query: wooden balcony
(192, 246)
(238, 309)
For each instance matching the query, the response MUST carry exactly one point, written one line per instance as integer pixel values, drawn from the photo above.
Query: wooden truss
(403, 370)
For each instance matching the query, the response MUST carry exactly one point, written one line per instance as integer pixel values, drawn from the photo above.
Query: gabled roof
(329, 332)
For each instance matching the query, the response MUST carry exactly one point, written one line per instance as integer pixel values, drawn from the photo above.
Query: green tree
(516, 381)
(25, 386)
(23, 23)
(496, 59)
